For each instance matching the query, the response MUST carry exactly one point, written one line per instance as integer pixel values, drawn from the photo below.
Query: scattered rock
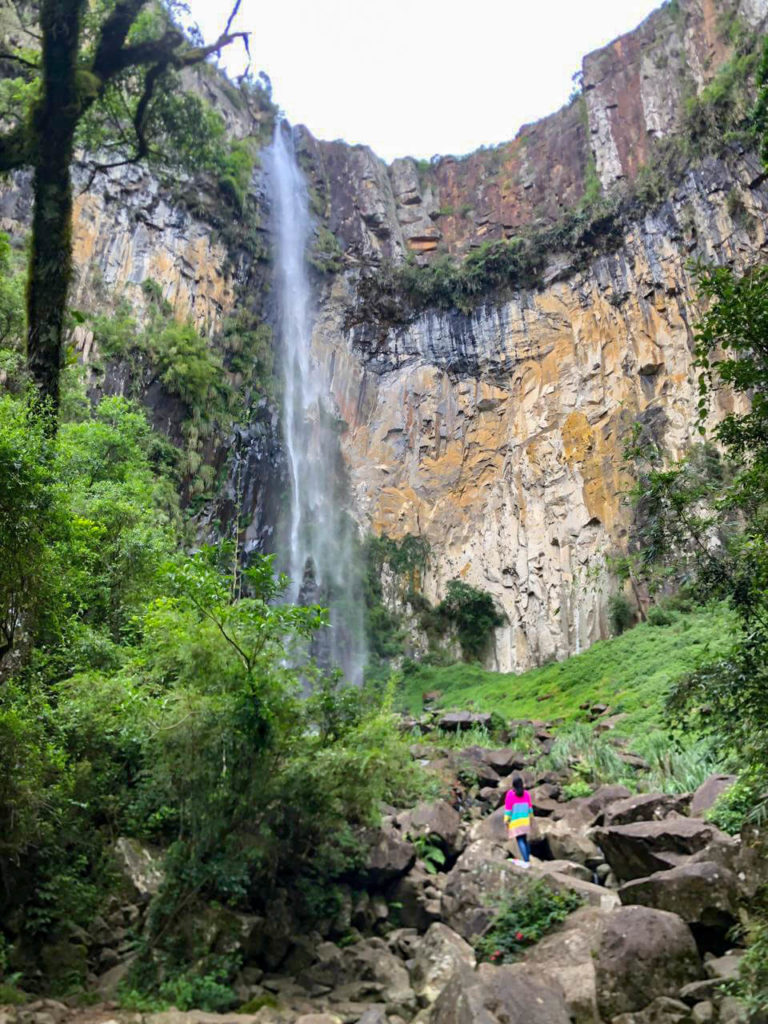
(640, 849)
(439, 955)
(645, 807)
(724, 968)
(663, 1010)
(459, 721)
(703, 894)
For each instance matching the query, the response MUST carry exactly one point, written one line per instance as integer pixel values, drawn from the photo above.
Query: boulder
(703, 894)
(603, 796)
(366, 970)
(389, 855)
(506, 761)
(724, 968)
(643, 954)
(439, 955)
(140, 865)
(565, 839)
(708, 792)
(645, 807)
(459, 721)
(499, 995)
(596, 895)
(663, 1010)
(567, 958)
(482, 873)
(438, 820)
(419, 903)
(640, 849)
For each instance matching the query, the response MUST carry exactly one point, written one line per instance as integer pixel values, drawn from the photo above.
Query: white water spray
(319, 535)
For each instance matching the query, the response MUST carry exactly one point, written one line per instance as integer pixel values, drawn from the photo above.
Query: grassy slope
(631, 673)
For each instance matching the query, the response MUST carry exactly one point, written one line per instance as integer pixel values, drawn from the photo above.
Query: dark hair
(517, 785)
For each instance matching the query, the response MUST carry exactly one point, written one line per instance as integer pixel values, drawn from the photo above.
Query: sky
(420, 77)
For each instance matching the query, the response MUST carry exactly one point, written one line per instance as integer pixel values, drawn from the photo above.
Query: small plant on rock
(525, 916)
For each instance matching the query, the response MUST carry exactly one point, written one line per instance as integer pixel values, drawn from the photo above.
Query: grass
(632, 673)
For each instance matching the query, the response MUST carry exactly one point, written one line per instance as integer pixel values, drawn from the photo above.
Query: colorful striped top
(518, 812)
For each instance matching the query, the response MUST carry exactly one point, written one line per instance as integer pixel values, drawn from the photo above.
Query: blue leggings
(525, 850)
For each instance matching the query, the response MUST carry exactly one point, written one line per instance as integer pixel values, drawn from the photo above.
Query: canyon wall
(496, 435)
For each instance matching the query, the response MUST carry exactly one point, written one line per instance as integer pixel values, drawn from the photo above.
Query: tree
(105, 73)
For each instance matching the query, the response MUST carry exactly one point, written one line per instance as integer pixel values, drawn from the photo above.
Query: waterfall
(319, 537)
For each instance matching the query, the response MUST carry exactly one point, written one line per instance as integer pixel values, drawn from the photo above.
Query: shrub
(620, 613)
(525, 916)
(474, 615)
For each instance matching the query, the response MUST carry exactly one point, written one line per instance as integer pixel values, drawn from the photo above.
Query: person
(518, 812)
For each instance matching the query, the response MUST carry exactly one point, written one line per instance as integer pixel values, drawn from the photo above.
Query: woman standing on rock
(518, 812)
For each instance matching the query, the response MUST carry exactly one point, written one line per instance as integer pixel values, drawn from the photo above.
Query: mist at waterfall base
(317, 543)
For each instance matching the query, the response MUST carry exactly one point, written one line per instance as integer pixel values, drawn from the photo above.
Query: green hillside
(631, 673)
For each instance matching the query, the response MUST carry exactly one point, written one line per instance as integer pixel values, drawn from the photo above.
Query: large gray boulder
(643, 954)
(645, 807)
(499, 995)
(708, 792)
(439, 955)
(640, 849)
(703, 894)
(567, 839)
(389, 855)
(438, 820)
(663, 1010)
(366, 969)
(567, 958)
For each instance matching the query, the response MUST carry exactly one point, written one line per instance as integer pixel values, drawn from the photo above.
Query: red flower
(519, 936)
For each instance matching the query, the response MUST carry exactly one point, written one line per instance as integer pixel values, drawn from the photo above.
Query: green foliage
(752, 984)
(744, 801)
(632, 672)
(326, 254)
(235, 171)
(620, 613)
(473, 614)
(429, 851)
(524, 916)
(577, 788)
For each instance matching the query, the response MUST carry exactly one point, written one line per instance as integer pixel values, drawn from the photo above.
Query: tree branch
(6, 55)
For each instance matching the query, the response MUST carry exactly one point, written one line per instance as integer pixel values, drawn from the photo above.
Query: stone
(708, 792)
(506, 761)
(439, 955)
(482, 873)
(596, 895)
(703, 1012)
(567, 958)
(108, 983)
(702, 893)
(140, 865)
(662, 1010)
(724, 968)
(565, 839)
(318, 1018)
(697, 991)
(732, 1011)
(437, 819)
(459, 721)
(499, 995)
(643, 954)
(416, 910)
(374, 1015)
(644, 807)
(644, 847)
(389, 855)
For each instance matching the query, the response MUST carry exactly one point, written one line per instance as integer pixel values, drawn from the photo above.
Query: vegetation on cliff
(108, 80)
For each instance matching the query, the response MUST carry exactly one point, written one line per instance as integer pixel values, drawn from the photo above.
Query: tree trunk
(50, 268)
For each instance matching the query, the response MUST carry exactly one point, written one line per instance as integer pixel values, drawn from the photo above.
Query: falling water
(319, 535)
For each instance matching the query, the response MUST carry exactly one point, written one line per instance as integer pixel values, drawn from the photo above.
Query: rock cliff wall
(496, 435)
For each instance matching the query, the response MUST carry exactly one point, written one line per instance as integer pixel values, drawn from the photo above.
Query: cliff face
(496, 435)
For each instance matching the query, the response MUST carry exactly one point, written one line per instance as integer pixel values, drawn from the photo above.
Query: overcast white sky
(419, 77)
